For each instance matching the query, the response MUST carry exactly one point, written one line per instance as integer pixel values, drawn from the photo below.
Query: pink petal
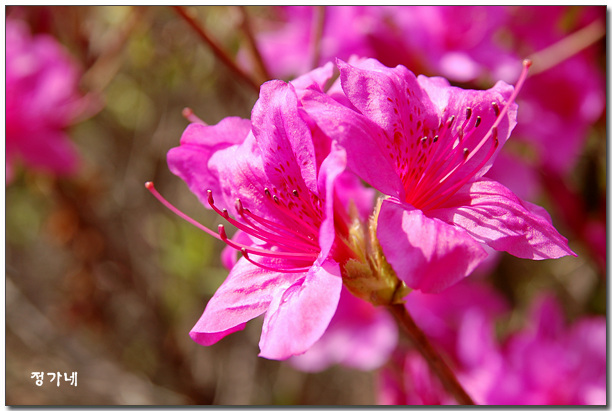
(354, 132)
(283, 137)
(299, 314)
(245, 294)
(359, 336)
(493, 214)
(426, 253)
(332, 166)
(199, 142)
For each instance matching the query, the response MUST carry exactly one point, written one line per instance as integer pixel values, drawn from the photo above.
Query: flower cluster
(286, 179)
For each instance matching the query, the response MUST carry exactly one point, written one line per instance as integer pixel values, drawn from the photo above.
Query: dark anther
(436, 138)
(267, 192)
(239, 207)
(466, 152)
(295, 193)
(275, 198)
(468, 113)
(478, 120)
(495, 108)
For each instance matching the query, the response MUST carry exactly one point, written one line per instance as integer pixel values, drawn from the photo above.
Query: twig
(248, 30)
(217, 50)
(433, 358)
(318, 24)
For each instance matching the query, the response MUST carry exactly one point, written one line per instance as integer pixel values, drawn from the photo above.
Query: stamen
(468, 113)
(295, 193)
(478, 120)
(245, 254)
(189, 115)
(149, 185)
(266, 253)
(495, 108)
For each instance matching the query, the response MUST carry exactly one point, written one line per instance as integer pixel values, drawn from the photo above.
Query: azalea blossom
(42, 99)
(426, 145)
(546, 362)
(274, 178)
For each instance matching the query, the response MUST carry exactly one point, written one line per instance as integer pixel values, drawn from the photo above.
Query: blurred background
(102, 280)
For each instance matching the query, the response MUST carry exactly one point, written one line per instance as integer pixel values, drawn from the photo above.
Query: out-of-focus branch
(216, 49)
(245, 24)
(318, 24)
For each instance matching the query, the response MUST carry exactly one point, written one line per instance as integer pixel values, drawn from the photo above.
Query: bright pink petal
(494, 215)
(284, 138)
(332, 166)
(299, 314)
(428, 254)
(245, 294)
(359, 336)
(354, 132)
(199, 142)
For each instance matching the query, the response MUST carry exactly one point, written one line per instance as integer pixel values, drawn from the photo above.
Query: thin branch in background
(318, 24)
(107, 64)
(245, 24)
(433, 358)
(217, 50)
(567, 47)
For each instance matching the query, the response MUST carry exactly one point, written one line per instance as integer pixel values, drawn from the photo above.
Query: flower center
(448, 159)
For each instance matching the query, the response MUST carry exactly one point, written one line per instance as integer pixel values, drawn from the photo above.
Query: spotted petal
(494, 215)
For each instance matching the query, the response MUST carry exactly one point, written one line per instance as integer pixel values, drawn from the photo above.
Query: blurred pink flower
(42, 99)
(427, 145)
(548, 363)
(279, 173)
(545, 363)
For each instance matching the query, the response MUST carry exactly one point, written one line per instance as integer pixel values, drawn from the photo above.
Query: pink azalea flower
(277, 174)
(41, 101)
(548, 363)
(426, 145)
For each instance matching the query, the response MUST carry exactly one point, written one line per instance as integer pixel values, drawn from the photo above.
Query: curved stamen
(245, 254)
(265, 253)
(301, 240)
(149, 185)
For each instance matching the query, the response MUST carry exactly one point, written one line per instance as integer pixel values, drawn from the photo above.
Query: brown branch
(245, 24)
(216, 49)
(433, 358)
(318, 24)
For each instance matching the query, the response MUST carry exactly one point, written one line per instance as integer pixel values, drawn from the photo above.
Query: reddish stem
(216, 49)
(433, 358)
